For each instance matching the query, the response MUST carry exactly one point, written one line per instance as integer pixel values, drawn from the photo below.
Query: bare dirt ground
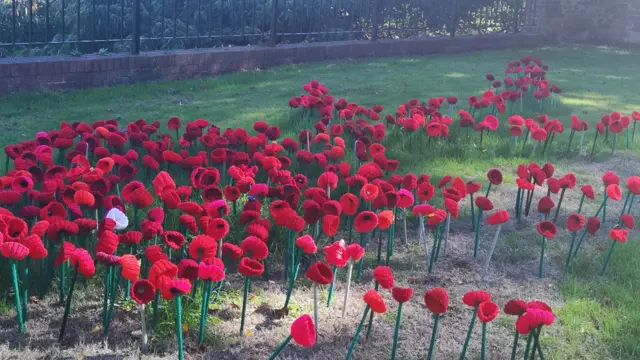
(512, 274)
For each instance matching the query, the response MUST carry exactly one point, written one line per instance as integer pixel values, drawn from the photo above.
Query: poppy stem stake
(514, 349)
(542, 248)
(179, 325)
(247, 283)
(143, 324)
(333, 281)
(434, 332)
(67, 308)
(593, 148)
(477, 235)
(358, 329)
(396, 332)
(14, 275)
(555, 216)
(468, 338)
(606, 261)
(280, 348)
(206, 294)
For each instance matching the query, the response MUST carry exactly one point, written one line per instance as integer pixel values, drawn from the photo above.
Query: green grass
(601, 315)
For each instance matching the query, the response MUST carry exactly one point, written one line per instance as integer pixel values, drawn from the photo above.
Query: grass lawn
(599, 316)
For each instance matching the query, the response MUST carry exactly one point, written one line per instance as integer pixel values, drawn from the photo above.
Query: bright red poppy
(375, 301)
(303, 331)
(488, 311)
(628, 221)
(335, 253)
(250, 268)
(499, 217)
(614, 192)
(619, 234)
(437, 300)
(366, 221)
(587, 190)
(484, 203)
(474, 298)
(354, 252)
(320, 273)
(130, 268)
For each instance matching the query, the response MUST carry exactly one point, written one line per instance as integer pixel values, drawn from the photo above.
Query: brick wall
(68, 72)
(599, 21)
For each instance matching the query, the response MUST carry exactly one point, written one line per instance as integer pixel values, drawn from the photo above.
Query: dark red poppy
(437, 300)
(628, 221)
(173, 239)
(130, 238)
(231, 193)
(515, 307)
(488, 311)
(484, 203)
(366, 221)
(633, 184)
(494, 176)
(320, 273)
(250, 268)
(474, 298)
(575, 222)
(425, 192)
(499, 217)
(202, 247)
(547, 229)
(375, 301)
(82, 260)
(401, 294)
(545, 205)
(254, 248)
(142, 291)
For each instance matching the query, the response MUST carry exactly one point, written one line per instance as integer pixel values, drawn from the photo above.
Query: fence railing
(48, 27)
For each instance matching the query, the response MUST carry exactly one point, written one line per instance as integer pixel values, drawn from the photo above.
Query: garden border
(78, 72)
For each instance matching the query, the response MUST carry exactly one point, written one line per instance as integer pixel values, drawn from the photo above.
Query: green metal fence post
(455, 8)
(374, 30)
(135, 41)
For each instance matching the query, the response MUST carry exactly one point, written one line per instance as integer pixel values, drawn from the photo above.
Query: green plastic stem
(355, 337)
(389, 244)
(544, 245)
(379, 257)
(631, 202)
(63, 268)
(483, 348)
(178, 301)
(581, 202)
(570, 140)
(25, 284)
(575, 253)
(514, 350)
(606, 261)
(488, 189)
(573, 240)
(247, 281)
(105, 300)
(115, 279)
(466, 340)
(526, 349)
(154, 316)
(293, 277)
(593, 148)
(555, 217)
(396, 332)
(433, 250)
(14, 276)
(67, 307)
(536, 344)
(280, 348)
(206, 293)
(333, 281)
(434, 332)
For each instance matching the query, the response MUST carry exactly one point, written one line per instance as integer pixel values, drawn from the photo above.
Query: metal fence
(48, 27)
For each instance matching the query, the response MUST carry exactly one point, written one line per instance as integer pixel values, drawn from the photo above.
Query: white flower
(119, 217)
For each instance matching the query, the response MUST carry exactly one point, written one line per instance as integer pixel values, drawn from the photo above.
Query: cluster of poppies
(165, 216)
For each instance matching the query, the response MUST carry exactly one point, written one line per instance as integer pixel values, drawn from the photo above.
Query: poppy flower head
(254, 248)
(628, 221)
(384, 276)
(633, 184)
(587, 190)
(303, 331)
(335, 253)
(547, 229)
(130, 268)
(488, 311)
(250, 268)
(610, 178)
(614, 192)
(619, 234)
(202, 247)
(232, 251)
(375, 301)
(173, 239)
(173, 288)
(307, 244)
(499, 217)
(575, 222)
(405, 199)
(385, 219)
(437, 300)
(142, 291)
(474, 298)
(354, 252)
(593, 225)
(14, 250)
(484, 203)
(515, 307)
(473, 187)
(82, 260)
(494, 176)
(425, 192)
(369, 192)
(401, 294)
(320, 273)
(366, 221)
(444, 181)
(218, 228)
(545, 205)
